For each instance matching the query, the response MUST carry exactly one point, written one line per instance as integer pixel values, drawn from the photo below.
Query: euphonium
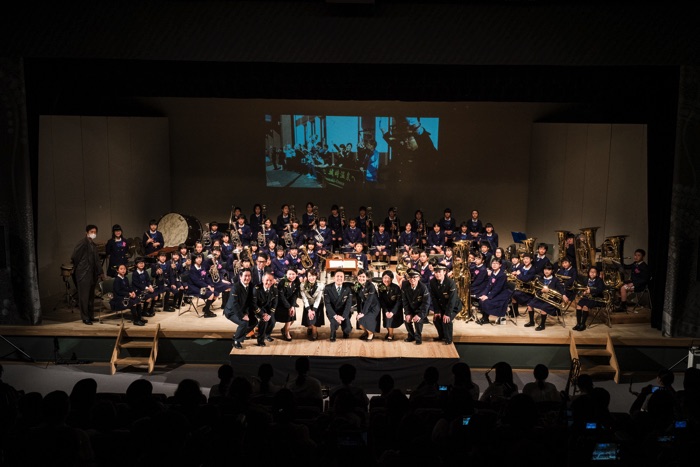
(612, 260)
(306, 261)
(561, 242)
(288, 240)
(235, 238)
(585, 250)
(550, 296)
(206, 237)
(526, 287)
(214, 272)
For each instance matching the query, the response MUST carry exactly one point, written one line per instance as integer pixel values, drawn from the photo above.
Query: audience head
(462, 374)
(585, 383)
(189, 393)
(347, 373)
(386, 384)
(225, 372)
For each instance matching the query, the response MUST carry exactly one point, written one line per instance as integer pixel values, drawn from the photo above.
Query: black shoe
(577, 327)
(530, 324)
(209, 314)
(148, 315)
(139, 323)
(261, 344)
(409, 339)
(168, 309)
(143, 320)
(237, 345)
(448, 342)
(88, 322)
(582, 327)
(418, 342)
(483, 321)
(364, 336)
(539, 328)
(438, 339)
(332, 337)
(346, 335)
(269, 338)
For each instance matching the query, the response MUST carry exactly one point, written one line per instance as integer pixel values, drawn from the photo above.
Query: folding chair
(637, 297)
(106, 294)
(603, 311)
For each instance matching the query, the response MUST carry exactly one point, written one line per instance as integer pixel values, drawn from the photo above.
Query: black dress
(390, 301)
(289, 292)
(370, 307)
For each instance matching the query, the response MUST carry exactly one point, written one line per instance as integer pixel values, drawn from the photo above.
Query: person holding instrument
(117, 251)
(594, 290)
(152, 238)
(124, 297)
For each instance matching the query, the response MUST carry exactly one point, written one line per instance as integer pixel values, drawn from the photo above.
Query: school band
(261, 285)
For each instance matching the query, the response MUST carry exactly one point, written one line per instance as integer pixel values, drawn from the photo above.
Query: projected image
(319, 151)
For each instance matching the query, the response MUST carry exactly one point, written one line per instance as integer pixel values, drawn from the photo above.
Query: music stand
(518, 237)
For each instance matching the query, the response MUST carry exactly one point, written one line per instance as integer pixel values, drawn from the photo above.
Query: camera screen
(606, 452)
(443, 388)
(591, 426)
(465, 421)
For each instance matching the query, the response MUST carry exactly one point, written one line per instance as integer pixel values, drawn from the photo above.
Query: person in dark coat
(445, 303)
(415, 299)
(592, 298)
(87, 270)
(239, 308)
(265, 300)
(337, 298)
(389, 295)
(495, 298)
(289, 293)
(368, 315)
(116, 250)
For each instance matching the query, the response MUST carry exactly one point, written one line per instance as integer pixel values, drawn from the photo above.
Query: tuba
(206, 237)
(462, 275)
(528, 247)
(561, 242)
(306, 261)
(612, 260)
(585, 250)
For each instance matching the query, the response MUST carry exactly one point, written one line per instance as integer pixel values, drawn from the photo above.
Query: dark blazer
(337, 304)
(415, 302)
(265, 301)
(157, 238)
(86, 262)
(444, 299)
(240, 303)
(288, 293)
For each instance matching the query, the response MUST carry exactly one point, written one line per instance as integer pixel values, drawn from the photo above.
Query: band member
(116, 250)
(490, 236)
(124, 297)
(236, 214)
(436, 238)
(200, 284)
(337, 298)
(549, 282)
(219, 275)
(298, 236)
(389, 295)
(525, 274)
(462, 234)
(361, 258)
(639, 278)
(414, 257)
(420, 228)
(415, 300)
(289, 291)
(312, 297)
(214, 232)
(311, 253)
(253, 251)
(475, 226)
(152, 238)
(448, 225)
(239, 308)
(381, 244)
(567, 276)
(141, 282)
(198, 250)
(324, 247)
(540, 259)
(408, 238)
(448, 261)
(283, 221)
(362, 222)
(424, 268)
(494, 299)
(445, 303)
(500, 253)
(265, 300)
(480, 279)
(176, 271)
(335, 223)
(257, 219)
(485, 250)
(294, 260)
(368, 313)
(270, 233)
(595, 287)
(308, 219)
(392, 225)
(258, 273)
(244, 233)
(164, 280)
(226, 246)
(351, 236)
(279, 264)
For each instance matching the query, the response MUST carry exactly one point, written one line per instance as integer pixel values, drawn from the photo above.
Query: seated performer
(381, 244)
(408, 238)
(141, 282)
(436, 239)
(270, 232)
(239, 308)
(462, 233)
(335, 223)
(567, 275)
(220, 281)
(480, 277)
(152, 238)
(415, 300)
(361, 258)
(445, 303)
(176, 270)
(323, 248)
(337, 298)
(389, 295)
(200, 285)
(308, 219)
(424, 268)
(116, 250)
(351, 236)
(124, 297)
(485, 250)
(214, 232)
(419, 228)
(368, 313)
(294, 260)
(226, 247)
(524, 274)
(289, 289)
(639, 278)
(280, 264)
(164, 279)
(592, 297)
(243, 230)
(490, 236)
(494, 299)
(311, 296)
(362, 222)
(257, 219)
(391, 226)
(283, 221)
(549, 282)
(265, 300)
(311, 253)
(475, 226)
(448, 225)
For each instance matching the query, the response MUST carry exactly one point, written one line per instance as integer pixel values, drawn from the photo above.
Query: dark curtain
(18, 274)
(681, 316)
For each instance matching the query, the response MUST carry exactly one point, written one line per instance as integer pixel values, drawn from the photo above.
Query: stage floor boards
(627, 330)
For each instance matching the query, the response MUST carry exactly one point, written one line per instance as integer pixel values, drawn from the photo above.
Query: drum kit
(379, 268)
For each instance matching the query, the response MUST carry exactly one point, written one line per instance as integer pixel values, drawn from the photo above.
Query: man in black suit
(337, 298)
(445, 303)
(416, 303)
(258, 273)
(87, 270)
(265, 297)
(239, 307)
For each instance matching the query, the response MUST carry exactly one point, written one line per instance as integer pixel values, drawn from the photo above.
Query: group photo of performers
(320, 151)
(273, 269)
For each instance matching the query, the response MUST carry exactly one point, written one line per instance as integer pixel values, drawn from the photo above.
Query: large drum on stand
(180, 228)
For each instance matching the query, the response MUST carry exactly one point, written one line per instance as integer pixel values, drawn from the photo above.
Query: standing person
(337, 298)
(368, 315)
(152, 238)
(312, 295)
(116, 250)
(265, 299)
(289, 291)
(415, 299)
(445, 303)
(389, 295)
(239, 308)
(86, 272)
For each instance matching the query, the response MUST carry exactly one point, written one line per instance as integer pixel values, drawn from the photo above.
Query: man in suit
(337, 298)
(239, 307)
(259, 272)
(87, 270)
(445, 302)
(416, 303)
(265, 297)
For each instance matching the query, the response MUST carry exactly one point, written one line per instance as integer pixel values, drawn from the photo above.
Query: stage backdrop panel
(589, 175)
(96, 170)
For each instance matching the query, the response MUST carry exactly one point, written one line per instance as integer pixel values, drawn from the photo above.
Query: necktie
(338, 289)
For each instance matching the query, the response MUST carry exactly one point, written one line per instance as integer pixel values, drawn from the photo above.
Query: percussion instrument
(166, 250)
(378, 267)
(66, 270)
(179, 228)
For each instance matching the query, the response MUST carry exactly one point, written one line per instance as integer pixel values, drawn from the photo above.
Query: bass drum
(180, 228)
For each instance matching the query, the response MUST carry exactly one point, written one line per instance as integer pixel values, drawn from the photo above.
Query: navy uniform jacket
(527, 275)
(293, 263)
(279, 267)
(408, 238)
(118, 254)
(425, 274)
(337, 304)
(140, 280)
(298, 238)
(166, 278)
(498, 294)
(362, 224)
(436, 239)
(245, 234)
(448, 224)
(157, 237)
(289, 293)
(256, 275)
(226, 250)
(457, 236)
(475, 226)
(352, 236)
(306, 221)
(327, 238)
(265, 301)
(389, 222)
(199, 278)
(240, 302)
(538, 264)
(215, 235)
(313, 256)
(361, 260)
(480, 281)
(256, 222)
(281, 224)
(444, 299)
(448, 262)
(568, 283)
(596, 286)
(335, 223)
(121, 290)
(640, 274)
(415, 302)
(493, 240)
(271, 234)
(381, 239)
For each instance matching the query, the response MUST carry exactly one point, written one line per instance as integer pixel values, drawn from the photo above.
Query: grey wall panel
(596, 177)
(124, 177)
(96, 170)
(576, 149)
(47, 239)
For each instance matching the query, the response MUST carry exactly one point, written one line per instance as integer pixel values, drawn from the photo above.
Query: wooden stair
(596, 360)
(124, 341)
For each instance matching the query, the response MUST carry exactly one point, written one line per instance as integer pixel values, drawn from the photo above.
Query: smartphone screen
(681, 424)
(466, 420)
(442, 388)
(591, 426)
(606, 452)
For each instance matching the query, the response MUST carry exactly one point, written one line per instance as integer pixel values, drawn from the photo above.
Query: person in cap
(494, 299)
(337, 298)
(152, 238)
(87, 270)
(549, 282)
(141, 281)
(445, 303)
(389, 295)
(117, 251)
(415, 299)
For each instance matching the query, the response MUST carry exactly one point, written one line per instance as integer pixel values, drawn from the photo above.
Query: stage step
(596, 360)
(124, 341)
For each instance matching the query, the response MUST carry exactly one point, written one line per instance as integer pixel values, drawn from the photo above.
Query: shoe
(261, 344)
(209, 314)
(332, 337)
(389, 338)
(286, 339)
(530, 324)
(143, 320)
(501, 320)
(139, 323)
(409, 339)
(582, 328)
(539, 328)
(88, 322)
(345, 335)
(483, 321)
(418, 342)
(269, 338)
(168, 309)
(364, 336)
(237, 345)
(448, 342)
(309, 331)
(577, 327)
(369, 338)
(314, 337)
